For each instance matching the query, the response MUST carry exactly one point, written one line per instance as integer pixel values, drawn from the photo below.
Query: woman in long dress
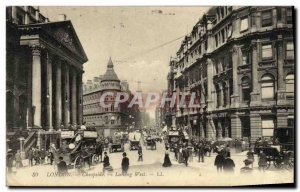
(180, 156)
(167, 161)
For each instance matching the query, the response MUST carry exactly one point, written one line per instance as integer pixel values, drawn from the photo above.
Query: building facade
(44, 73)
(107, 120)
(240, 63)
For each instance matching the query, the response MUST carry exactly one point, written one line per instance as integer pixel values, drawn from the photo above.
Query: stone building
(43, 75)
(107, 120)
(240, 62)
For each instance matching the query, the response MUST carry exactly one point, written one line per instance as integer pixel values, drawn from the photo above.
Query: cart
(174, 138)
(134, 145)
(117, 143)
(150, 143)
(78, 148)
(134, 139)
(278, 158)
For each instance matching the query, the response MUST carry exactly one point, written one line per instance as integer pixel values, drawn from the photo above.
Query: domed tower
(111, 116)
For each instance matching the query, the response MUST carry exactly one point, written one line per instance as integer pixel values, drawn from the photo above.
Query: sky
(140, 40)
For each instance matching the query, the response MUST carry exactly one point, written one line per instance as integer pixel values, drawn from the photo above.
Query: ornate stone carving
(66, 39)
(36, 49)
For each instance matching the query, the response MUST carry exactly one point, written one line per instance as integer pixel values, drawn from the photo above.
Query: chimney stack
(62, 17)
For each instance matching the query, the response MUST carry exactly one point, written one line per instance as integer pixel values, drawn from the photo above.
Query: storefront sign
(90, 134)
(67, 134)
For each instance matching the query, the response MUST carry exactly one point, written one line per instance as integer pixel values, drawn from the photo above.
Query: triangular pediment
(65, 34)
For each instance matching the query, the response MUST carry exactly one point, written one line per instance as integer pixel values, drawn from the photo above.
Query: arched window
(267, 87)
(246, 89)
(289, 83)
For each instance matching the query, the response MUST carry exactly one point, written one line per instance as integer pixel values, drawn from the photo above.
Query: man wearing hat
(247, 169)
(62, 166)
(125, 163)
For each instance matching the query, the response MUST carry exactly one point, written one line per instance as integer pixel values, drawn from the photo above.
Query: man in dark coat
(30, 156)
(105, 160)
(176, 151)
(219, 162)
(62, 166)
(228, 165)
(140, 153)
(185, 155)
(201, 152)
(125, 163)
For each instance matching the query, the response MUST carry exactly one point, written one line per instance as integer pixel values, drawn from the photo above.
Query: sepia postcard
(150, 96)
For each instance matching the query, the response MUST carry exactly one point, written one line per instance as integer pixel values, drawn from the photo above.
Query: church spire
(110, 63)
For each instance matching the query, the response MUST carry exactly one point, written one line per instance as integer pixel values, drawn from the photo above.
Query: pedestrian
(99, 151)
(185, 155)
(207, 149)
(61, 127)
(140, 153)
(106, 164)
(180, 155)
(167, 161)
(125, 164)
(9, 162)
(62, 166)
(227, 150)
(219, 162)
(36, 154)
(18, 159)
(250, 157)
(246, 168)
(228, 165)
(43, 156)
(30, 156)
(176, 151)
(201, 152)
(286, 159)
(50, 157)
(262, 162)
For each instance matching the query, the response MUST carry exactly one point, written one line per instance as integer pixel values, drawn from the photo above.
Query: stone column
(66, 96)
(255, 96)
(255, 122)
(235, 60)
(74, 97)
(209, 83)
(36, 85)
(221, 93)
(226, 131)
(236, 131)
(280, 82)
(49, 92)
(58, 99)
(79, 99)
(219, 129)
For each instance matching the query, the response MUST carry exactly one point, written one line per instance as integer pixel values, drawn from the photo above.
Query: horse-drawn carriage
(150, 143)
(278, 157)
(117, 143)
(174, 138)
(134, 139)
(78, 148)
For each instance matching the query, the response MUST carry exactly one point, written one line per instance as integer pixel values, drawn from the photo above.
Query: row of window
(97, 108)
(97, 96)
(267, 52)
(267, 125)
(98, 120)
(267, 18)
(267, 87)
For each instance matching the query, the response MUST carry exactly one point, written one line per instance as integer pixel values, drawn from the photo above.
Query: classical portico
(56, 59)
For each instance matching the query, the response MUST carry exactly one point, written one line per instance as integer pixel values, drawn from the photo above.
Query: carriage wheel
(268, 164)
(277, 163)
(95, 159)
(78, 163)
